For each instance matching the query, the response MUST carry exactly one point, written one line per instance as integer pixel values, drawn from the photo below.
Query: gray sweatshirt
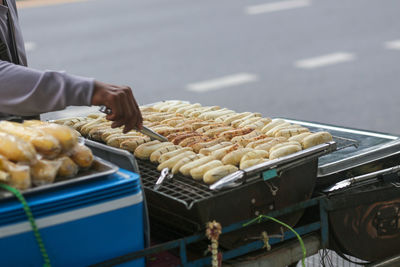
(25, 91)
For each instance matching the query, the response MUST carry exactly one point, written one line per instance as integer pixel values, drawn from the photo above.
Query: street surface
(336, 62)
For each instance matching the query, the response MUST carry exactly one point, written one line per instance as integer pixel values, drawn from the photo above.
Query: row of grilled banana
(204, 142)
(36, 152)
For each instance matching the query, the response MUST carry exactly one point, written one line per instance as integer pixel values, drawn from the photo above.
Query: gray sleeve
(25, 91)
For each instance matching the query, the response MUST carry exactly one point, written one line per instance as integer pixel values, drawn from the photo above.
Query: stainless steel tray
(368, 147)
(123, 158)
(100, 168)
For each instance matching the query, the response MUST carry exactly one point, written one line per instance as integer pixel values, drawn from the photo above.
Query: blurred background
(336, 62)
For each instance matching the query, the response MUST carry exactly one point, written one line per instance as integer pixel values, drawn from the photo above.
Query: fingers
(136, 110)
(120, 99)
(130, 116)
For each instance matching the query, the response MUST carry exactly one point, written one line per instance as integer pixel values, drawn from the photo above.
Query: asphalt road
(161, 48)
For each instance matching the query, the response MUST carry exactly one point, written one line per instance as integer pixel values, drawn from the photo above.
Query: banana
(132, 143)
(284, 151)
(184, 161)
(144, 151)
(238, 116)
(268, 145)
(44, 172)
(254, 154)
(207, 151)
(163, 150)
(167, 156)
(289, 132)
(272, 124)
(277, 128)
(45, 144)
(170, 163)
(20, 175)
(82, 155)
(198, 172)
(185, 169)
(299, 138)
(277, 146)
(68, 167)
(251, 162)
(117, 140)
(234, 157)
(4, 176)
(16, 149)
(316, 139)
(198, 146)
(215, 174)
(220, 153)
(65, 135)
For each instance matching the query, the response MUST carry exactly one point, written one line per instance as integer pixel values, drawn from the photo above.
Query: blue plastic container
(80, 224)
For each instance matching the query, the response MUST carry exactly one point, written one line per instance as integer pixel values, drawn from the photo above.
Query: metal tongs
(390, 175)
(164, 174)
(146, 131)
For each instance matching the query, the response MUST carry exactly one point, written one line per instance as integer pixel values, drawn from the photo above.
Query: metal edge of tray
(286, 162)
(112, 151)
(343, 129)
(110, 168)
(375, 154)
(366, 155)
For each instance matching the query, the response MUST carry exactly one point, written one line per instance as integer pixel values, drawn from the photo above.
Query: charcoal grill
(182, 206)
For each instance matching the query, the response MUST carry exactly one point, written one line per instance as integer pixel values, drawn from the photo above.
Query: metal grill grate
(181, 188)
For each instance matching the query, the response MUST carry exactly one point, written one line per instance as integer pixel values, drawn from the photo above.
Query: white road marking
(30, 46)
(226, 81)
(276, 6)
(38, 3)
(324, 60)
(394, 45)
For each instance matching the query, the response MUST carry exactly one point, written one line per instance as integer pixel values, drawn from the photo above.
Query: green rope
(261, 217)
(32, 222)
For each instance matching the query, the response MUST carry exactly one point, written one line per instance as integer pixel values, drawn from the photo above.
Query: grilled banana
(234, 157)
(215, 174)
(82, 155)
(185, 169)
(284, 151)
(167, 156)
(16, 149)
(144, 151)
(198, 172)
(251, 162)
(66, 136)
(68, 168)
(163, 150)
(184, 161)
(44, 171)
(170, 163)
(45, 144)
(316, 139)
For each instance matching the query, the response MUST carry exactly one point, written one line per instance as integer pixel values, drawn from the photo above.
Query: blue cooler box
(80, 224)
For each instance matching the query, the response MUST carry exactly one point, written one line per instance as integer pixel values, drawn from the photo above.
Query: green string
(32, 222)
(261, 217)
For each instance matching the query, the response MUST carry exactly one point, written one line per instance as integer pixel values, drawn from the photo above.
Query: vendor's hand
(120, 99)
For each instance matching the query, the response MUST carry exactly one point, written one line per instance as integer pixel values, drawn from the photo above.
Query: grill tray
(183, 189)
(100, 168)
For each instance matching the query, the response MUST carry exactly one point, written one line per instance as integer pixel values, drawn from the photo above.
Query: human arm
(25, 91)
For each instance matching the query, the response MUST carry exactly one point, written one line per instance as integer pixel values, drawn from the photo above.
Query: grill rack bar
(181, 188)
